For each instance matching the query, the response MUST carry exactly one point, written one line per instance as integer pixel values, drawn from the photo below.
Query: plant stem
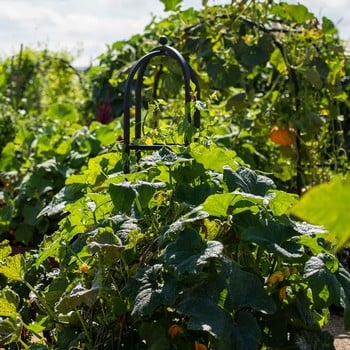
(88, 336)
(23, 344)
(50, 312)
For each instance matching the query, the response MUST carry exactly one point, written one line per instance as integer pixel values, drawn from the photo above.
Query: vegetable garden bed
(198, 246)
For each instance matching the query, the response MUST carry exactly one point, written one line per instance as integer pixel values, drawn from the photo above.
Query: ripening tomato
(174, 330)
(276, 277)
(283, 293)
(199, 346)
(283, 136)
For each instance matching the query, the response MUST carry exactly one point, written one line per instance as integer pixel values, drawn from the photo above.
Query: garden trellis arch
(138, 71)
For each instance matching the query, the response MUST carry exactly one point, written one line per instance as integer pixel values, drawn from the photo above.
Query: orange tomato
(283, 293)
(199, 346)
(276, 277)
(282, 136)
(174, 330)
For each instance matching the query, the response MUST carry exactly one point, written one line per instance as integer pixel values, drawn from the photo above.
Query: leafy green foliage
(260, 64)
(132, 253)
(192, 246)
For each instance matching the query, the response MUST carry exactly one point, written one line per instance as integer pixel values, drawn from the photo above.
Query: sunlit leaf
(9, 301)
(214, 157)
(281, 202)
(13, 267)
(328, 205)
(218, 204)
(5, 249)
(171, 5)
(296, 13)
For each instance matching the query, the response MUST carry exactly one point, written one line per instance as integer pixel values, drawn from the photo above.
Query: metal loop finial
(163, 40)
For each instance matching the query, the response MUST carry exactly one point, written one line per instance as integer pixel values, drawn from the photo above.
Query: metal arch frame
(139, 69)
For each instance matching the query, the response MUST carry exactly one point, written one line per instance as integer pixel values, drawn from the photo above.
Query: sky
(86, 27)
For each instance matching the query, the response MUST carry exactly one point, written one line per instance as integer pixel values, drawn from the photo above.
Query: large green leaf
(241, 333)
(280, 202)
(291, 12)
(145, 291)
(123, 196)
(218, 204)
(267, 232)
(80, 295)
(247, 290)
(320, 271)
(106, 244)
(246, 332)
(223, 204)
(77, 296)
(182, 222)
(213, 157)
(64, 112)
(205, 315)
(246, 180)
(189, 253)
(328, 205)
(145, 191)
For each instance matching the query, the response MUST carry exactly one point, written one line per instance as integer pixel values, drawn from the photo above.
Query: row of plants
(45, 150)
(262, 66)
(193, 250)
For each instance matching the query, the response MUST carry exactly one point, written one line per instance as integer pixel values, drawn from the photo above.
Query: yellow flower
(84, 268)
(276, 277)
(174, 330)
(148, 141)
(199, 346)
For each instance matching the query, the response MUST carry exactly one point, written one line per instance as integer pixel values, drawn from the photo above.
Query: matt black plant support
(139, 69)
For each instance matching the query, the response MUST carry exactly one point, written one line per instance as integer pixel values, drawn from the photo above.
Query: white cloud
(92, 24)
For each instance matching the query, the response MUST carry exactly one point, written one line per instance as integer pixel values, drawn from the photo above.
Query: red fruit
(283, 136)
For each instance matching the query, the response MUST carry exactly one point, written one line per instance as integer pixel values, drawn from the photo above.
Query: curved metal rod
(139, 68)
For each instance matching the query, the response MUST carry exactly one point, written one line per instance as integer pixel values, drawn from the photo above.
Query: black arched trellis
(139, 69)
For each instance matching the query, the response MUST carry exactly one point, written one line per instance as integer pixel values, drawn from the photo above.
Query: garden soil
(341, 338)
